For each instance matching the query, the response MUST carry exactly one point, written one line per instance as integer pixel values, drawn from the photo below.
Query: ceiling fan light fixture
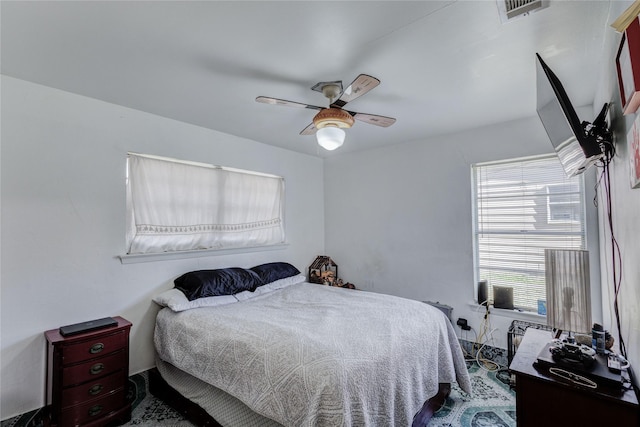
(333, 117)
(330, 123)
(330, 137)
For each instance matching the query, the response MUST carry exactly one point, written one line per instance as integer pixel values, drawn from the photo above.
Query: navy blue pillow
(273, 271)
(211, 283)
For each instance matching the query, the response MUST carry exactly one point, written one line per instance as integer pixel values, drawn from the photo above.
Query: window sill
(164, 256)
(514, 314)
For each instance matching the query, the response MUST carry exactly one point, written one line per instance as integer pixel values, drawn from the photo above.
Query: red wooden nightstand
(87, 376)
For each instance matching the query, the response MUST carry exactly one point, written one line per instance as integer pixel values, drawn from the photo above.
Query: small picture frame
(542, 307)
(628, 68)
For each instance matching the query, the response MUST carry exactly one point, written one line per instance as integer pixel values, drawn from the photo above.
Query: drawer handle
(96, 348)
(95, 410)
(96, 389)
(97, 368)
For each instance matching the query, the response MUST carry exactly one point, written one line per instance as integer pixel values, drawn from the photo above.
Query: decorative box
(323, 271)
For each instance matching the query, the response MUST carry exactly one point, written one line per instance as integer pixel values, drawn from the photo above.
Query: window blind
(521, 208)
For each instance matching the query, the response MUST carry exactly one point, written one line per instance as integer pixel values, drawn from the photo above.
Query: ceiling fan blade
(285, 103)
(361, 85)
(309, 130)
(374, 119)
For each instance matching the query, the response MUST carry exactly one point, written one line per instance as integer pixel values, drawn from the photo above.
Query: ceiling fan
(329, 123)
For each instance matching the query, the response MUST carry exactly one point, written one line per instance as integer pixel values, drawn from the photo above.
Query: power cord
(481, 341)
(604, 181)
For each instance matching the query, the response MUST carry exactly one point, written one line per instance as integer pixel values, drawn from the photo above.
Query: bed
(286, 352)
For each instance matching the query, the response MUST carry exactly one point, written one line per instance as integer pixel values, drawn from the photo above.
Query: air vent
(511, 9)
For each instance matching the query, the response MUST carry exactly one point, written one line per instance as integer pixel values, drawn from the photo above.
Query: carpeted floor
(491, 405)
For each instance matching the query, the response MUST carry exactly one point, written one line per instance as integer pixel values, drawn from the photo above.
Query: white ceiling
(444, 65)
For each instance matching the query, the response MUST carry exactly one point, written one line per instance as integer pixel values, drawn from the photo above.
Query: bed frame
(194, 413)
(191, 411)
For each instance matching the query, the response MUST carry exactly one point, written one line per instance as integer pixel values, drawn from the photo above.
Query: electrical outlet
(463, 324)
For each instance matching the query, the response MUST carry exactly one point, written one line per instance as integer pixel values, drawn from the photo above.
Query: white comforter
(312, 355)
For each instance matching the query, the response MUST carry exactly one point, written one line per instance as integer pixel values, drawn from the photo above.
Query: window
(563, 202)
(522, 207)
(174, 205)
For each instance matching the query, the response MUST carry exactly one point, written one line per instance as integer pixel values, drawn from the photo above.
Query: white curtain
(179, 206)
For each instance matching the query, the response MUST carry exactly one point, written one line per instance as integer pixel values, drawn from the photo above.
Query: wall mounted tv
(577, 144)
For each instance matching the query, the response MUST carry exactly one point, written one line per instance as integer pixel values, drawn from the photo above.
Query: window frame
(221, 195)
(550, 203)
(584, 235)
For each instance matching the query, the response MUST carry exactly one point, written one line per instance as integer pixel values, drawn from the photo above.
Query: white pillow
(270, 287)
(245, 295)
(283, 283)
(177, 301)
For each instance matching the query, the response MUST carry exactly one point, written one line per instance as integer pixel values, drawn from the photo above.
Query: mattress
(224, 408)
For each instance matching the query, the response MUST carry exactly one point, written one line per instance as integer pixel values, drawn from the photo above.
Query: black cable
(609, 151)
(616, 259)
(615, 251)
(632, 380)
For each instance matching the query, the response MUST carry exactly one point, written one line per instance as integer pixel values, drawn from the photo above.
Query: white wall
(625, 212)
(399, 219)
(626, 226)
(63, 222)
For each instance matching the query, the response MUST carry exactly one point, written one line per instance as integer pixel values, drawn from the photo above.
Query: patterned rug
(149, 411)
(491, 405)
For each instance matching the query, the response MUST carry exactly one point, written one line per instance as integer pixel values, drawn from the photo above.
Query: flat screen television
(577, 144)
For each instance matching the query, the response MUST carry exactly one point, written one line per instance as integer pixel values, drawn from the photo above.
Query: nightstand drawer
(96, 347)
(92, 389)
(95, 368)
(93, 410)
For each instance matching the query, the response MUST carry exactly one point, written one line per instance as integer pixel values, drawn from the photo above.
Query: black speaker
(503, 297)
(482, 292)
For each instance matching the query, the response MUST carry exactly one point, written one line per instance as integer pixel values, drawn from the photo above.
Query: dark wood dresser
(543, 400)
(87, 376)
